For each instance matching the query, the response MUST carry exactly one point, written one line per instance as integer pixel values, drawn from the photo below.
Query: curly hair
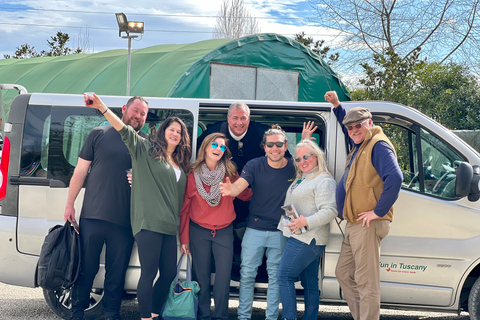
(275, 129)
(230, 167)
(183, 151)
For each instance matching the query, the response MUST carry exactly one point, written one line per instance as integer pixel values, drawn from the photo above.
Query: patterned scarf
(212, 179)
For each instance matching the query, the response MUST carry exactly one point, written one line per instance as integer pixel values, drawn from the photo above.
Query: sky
(92, 24)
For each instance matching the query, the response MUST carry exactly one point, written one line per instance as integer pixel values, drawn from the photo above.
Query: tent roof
(178, 70)
(153, 73)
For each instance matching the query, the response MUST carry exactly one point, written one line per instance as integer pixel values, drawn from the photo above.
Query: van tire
(61, 303)
(474, 301)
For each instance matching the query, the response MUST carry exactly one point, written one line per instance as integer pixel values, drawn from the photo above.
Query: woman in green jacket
(159, 165)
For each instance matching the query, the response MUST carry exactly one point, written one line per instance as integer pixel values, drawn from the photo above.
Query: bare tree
(443, 29)
(318, 47)
(83, 40)
(234, 21)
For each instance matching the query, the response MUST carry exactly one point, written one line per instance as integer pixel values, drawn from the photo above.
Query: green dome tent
(182, 70)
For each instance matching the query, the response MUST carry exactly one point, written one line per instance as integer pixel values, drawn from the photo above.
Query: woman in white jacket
(313, 196)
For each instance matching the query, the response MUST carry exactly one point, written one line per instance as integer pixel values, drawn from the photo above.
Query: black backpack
(59, 263)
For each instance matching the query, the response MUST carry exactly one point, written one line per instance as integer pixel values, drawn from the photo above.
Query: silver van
(429, 261)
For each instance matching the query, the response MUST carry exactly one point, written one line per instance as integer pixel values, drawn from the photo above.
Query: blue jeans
(255, 244)
(299, 260)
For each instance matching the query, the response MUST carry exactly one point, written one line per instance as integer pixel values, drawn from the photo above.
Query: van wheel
(474, 301)
(61, 303)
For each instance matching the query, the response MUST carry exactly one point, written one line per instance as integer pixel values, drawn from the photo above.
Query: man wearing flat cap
(365, 197)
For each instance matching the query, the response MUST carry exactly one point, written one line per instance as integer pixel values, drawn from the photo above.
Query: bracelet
(103, 113)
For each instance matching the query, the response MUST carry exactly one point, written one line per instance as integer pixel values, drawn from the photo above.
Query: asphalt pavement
(17, 303)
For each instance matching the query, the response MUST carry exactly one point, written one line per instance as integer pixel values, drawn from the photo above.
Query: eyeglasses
(240, 150)
(306, 156)
(356, 126)
(222, 147)
(279, 144)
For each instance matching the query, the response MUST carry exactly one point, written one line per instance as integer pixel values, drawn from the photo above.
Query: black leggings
(157, 252)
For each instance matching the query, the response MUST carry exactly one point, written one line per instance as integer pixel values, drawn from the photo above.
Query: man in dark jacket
(244, 135)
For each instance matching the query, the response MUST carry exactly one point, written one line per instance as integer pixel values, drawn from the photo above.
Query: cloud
(166, 22)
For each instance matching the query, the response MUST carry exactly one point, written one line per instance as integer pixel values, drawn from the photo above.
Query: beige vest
(364, 186)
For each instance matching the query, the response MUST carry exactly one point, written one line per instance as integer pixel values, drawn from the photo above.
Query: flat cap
(357, 114)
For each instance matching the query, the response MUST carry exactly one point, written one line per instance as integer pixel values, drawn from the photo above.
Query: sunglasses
(222, 147)
(240, 150)
(356, 126)
(306, 156)
(279, 144)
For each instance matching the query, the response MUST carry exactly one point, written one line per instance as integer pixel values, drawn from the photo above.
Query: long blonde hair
(316, 151)
(230, 167)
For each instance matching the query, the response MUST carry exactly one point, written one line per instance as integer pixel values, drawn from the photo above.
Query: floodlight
(135, 27)
(128, 27)
(122, 23)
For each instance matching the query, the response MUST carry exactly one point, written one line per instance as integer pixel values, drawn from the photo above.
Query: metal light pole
(129, 62)
(128, 27)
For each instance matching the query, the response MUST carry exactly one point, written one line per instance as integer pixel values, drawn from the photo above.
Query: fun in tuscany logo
(401, 267)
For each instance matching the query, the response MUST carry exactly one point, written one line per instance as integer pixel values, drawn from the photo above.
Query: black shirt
(269, 186)
(107, 193)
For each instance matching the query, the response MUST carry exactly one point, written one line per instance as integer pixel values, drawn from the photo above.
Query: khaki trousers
(358, 268)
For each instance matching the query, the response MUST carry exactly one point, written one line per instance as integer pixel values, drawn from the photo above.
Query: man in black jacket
(244, 135)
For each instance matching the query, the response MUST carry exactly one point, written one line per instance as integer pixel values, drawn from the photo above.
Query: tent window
(232, 82)
(250, 83)
(277, 85)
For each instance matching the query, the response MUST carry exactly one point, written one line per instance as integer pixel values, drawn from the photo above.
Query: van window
(428, 164)
(291, 124)
(77, 128)
(34, 152)
(71, 126)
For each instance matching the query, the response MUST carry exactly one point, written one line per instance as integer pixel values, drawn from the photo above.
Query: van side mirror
(467, 181)
(475, 185)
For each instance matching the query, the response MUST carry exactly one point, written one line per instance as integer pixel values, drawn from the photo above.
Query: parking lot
(17, 303)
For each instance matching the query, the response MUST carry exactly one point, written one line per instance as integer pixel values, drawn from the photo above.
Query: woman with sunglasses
(206, 223)
(313, 196)
(159, 165)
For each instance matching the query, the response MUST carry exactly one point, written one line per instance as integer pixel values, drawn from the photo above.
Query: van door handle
(31, 181)
(28, 181)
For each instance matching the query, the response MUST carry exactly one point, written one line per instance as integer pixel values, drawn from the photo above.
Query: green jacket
(156, 195)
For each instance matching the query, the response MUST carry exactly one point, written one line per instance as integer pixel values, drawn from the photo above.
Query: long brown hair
(183, 151)
(230, 167)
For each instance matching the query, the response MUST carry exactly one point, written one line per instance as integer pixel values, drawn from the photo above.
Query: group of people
(237, 159)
